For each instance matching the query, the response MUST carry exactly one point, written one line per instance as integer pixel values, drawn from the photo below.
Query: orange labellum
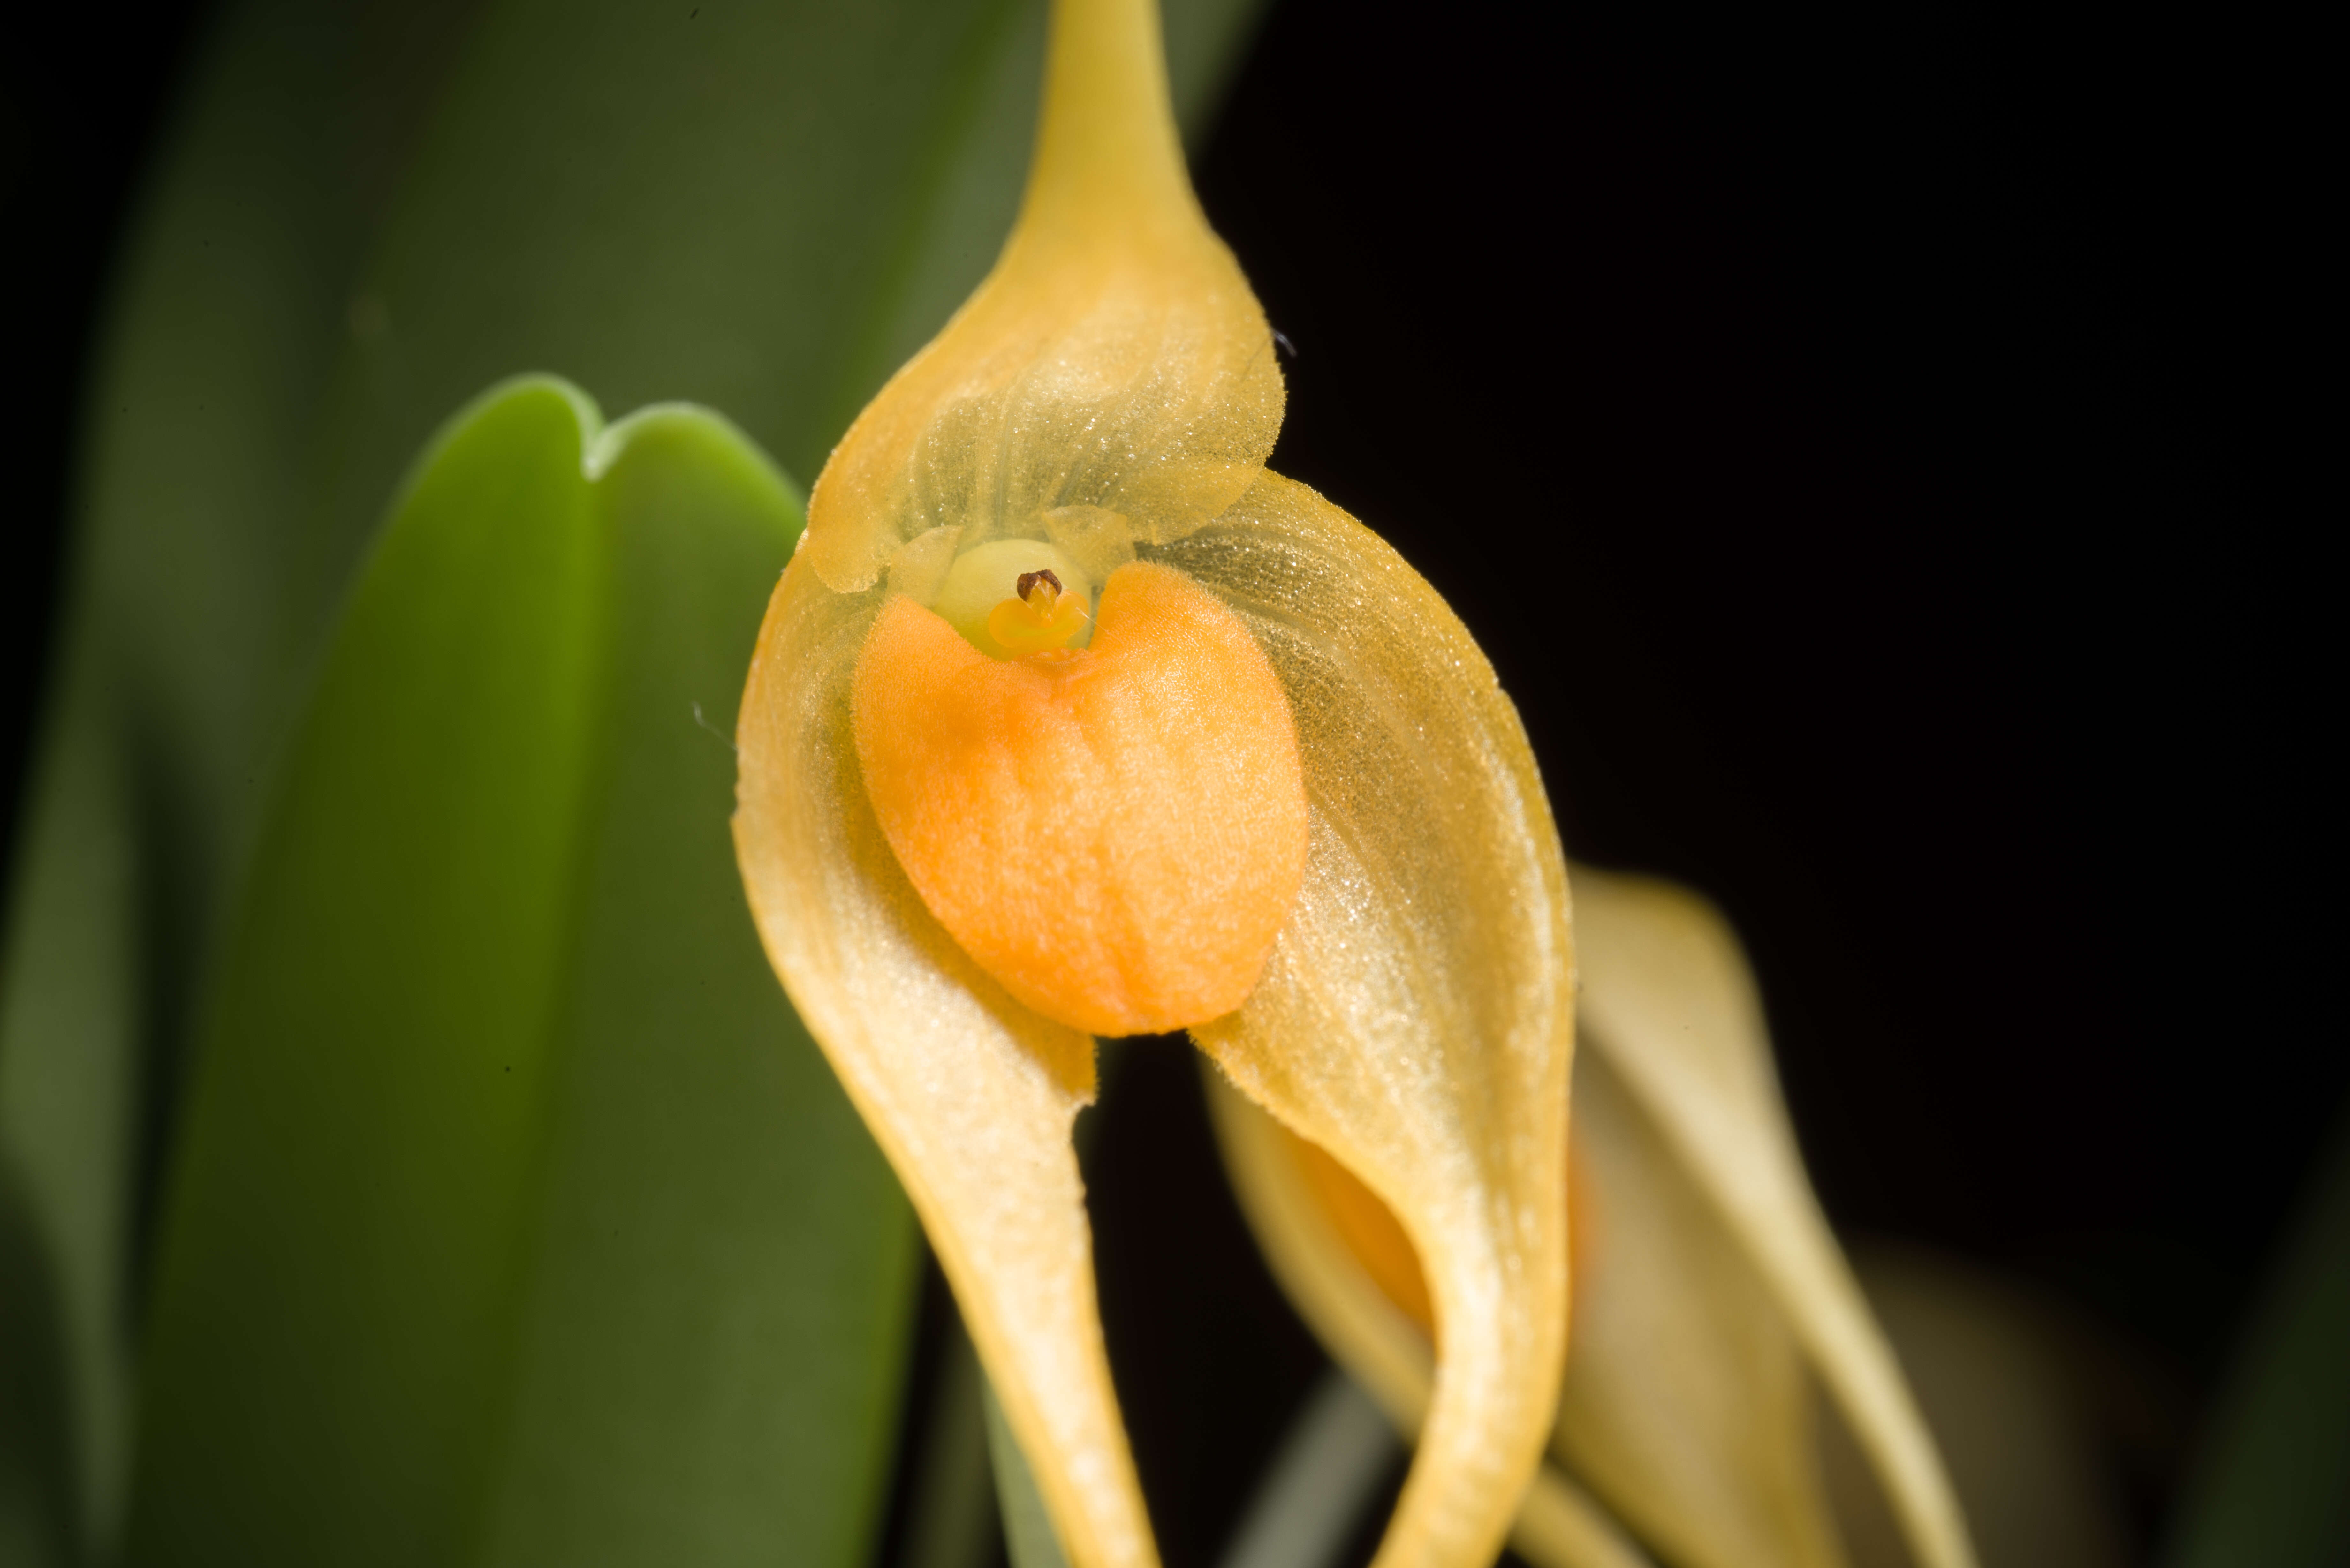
(1115, 832)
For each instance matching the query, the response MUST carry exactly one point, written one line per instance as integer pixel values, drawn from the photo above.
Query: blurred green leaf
(1028, 1535)
(951, 1515)
(516, 1219)
(182, 654)
(363, 213)
(2273, 1485)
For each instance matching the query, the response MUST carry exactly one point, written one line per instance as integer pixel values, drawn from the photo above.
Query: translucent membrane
(1415, 1019)
(1114, 834)
(1115, 360)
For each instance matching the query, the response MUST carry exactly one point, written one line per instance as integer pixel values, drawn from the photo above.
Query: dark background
(1850, 443)
(83, 93)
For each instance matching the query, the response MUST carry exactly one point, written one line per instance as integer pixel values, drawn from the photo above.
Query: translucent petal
(1669, 1002)
(1416, 1019)
(1685, 1403)
(969, 1095)
(1114, 361)
(1559, 1525)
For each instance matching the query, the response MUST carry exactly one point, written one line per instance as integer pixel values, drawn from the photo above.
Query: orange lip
(1116, 832)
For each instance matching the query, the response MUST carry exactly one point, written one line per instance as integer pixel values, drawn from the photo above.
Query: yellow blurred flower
(1708, 1289)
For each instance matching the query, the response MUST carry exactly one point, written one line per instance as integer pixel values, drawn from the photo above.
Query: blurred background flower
(1883, 550)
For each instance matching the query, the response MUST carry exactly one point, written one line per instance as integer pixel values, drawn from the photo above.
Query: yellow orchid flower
(1707, 1282)
(1070, 718)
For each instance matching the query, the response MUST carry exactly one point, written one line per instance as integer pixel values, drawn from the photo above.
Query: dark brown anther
(1028, 581)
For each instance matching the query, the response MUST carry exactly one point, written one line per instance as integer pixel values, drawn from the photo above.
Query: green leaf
(363, 213)
(951, 1515)
(516, 1219)
(1027, 1531)
(185, 644)
(2274, 1487)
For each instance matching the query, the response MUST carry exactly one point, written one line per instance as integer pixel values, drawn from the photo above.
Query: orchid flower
(1070, 718)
